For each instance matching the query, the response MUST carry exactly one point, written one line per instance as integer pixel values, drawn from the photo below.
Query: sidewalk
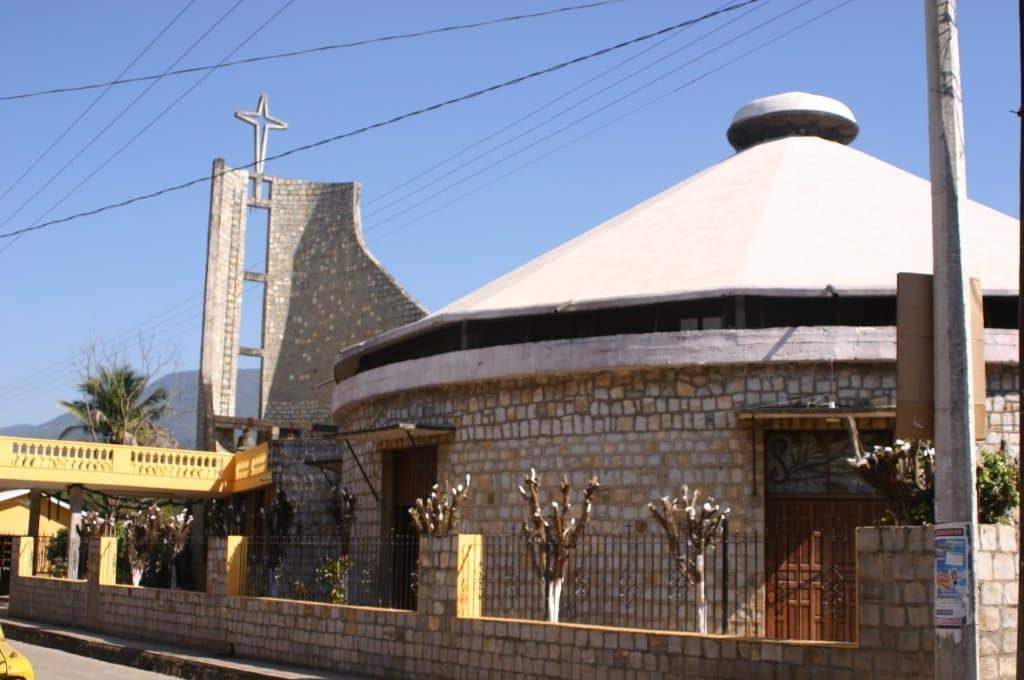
(174, 661)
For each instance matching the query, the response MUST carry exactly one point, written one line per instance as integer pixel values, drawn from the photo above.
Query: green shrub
(997, 487)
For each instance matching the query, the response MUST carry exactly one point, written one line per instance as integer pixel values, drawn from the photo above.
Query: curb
(159, 662)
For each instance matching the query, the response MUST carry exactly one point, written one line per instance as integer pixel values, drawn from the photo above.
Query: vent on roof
(792, 114)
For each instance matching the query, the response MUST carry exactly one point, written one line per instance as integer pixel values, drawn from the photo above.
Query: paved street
(52, 663)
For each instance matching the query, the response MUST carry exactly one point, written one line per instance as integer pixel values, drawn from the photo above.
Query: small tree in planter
(143, 533)
(176, 532)
(440, 512)
(551, 540)
(691, 525)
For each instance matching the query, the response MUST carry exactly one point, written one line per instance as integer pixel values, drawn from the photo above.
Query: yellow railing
(251, 469)
(44, 463)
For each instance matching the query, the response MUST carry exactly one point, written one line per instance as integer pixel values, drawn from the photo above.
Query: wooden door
(810, 565)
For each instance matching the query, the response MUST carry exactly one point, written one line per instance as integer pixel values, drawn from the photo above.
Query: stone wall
(441, 640)
(997, 569)
(643, 432)
(323, 290)
(52, 600)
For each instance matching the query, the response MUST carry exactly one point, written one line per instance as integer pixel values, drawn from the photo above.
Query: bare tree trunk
(553, 597)
(702, 602)
(174, 576)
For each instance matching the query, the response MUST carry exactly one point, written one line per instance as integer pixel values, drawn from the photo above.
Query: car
(13, 664)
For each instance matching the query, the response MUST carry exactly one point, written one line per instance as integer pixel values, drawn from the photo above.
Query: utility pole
(956, 636)
(1020, 337)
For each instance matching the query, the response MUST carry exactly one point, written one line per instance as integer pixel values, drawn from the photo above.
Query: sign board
(954, 576)
(915, 376)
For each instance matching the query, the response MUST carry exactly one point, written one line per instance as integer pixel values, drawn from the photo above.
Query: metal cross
(262, 123)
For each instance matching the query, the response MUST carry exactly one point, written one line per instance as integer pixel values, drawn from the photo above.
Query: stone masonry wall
(997, 569)
(323, 290)
(642, 432)
(895, 635)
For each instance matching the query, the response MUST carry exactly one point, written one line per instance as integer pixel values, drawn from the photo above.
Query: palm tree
(116, 409)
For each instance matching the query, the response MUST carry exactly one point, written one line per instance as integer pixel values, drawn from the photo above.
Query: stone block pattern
(324, 290)
(51, 600)
(642, 432)
(895, 635)
(997, 574)
(222, 305)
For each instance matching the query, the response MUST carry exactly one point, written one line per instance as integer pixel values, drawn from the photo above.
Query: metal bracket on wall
(362, 470)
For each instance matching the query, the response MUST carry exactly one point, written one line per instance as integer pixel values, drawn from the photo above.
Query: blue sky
(99, 277)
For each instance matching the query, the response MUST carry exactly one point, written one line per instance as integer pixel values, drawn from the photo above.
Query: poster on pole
(953, 577)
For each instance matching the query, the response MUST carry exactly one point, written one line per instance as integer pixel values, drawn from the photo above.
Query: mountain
(182, 387)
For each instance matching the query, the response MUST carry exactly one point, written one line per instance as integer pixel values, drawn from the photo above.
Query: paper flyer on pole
(953, 577)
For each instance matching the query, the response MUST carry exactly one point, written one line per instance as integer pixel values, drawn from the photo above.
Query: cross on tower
(262, 123)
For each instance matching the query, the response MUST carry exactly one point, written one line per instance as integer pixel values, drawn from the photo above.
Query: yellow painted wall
(14, 517)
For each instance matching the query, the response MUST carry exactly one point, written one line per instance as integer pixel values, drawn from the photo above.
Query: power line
(613, 121)
(96, 101)
(163, 113)
(521, 119)
(115, 120)
(373, 126)
(312, 50)
(570, 108)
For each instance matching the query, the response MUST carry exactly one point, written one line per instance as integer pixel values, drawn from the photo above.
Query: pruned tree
(692, 525)
(440, 512)
(904, 473)
(143, 531)
(551, 539)
(176, 532)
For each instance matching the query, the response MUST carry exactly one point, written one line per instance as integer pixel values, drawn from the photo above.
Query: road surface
(53, 664)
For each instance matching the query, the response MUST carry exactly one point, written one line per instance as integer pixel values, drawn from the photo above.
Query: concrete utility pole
(956, 649)
(1020, 336)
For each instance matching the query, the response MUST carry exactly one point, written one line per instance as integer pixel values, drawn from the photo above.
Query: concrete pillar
(470, 575)
(74, 537)
(956, 650)
(35, 503)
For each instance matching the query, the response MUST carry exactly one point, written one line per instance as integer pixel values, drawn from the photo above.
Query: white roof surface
(793, 215)
(785, 217)
(793, 101)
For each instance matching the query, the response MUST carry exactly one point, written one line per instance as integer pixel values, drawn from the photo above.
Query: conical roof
(796, 212)
(793, 216)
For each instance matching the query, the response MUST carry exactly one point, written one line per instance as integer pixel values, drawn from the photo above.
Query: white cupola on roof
(792, 114)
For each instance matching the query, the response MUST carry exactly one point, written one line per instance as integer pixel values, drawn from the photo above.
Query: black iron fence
(51, 556)
(632, 581)
(368, 571)
(163, 567)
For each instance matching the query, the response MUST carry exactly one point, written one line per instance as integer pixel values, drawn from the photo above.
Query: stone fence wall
(447, 638)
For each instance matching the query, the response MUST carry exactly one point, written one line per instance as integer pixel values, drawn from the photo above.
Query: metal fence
(367, 571)
(631, 581)
(184, 571)
(51, 556)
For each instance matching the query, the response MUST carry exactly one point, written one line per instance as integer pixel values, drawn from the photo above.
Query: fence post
(236, 551)
(725, 576)
(24, 555)
(470, 576)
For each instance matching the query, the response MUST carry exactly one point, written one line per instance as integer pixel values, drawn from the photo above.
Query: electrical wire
(312, 50)
(115, 119)
(522, 119)
(96, 101)
(380, 124)
(689, 83)
(160, 115)
(571, 107)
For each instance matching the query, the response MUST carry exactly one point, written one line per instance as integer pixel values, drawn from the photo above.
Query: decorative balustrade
(43, 462)
(251, 469)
